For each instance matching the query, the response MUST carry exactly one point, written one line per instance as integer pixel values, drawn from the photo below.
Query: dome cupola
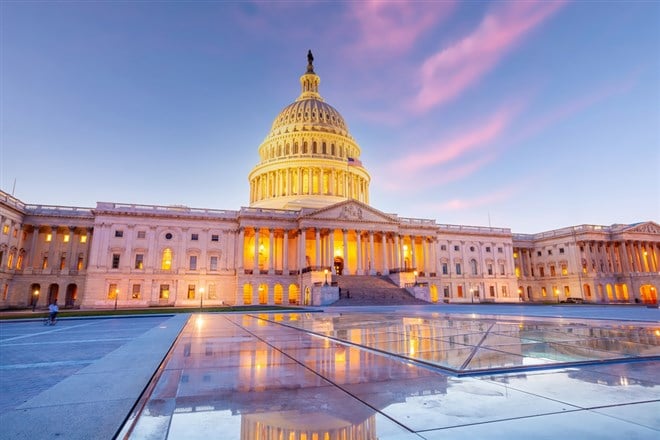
(308, 159)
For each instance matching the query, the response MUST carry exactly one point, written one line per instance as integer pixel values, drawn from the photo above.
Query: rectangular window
(504, 292)
(139, 261)
(19, 262)
(215, 237)
(15, 234)
(10, 261)
(142, 234)
(115, 261)
(538, 253)
(5, 229)
(194, 237)
(44, 263)
(458, 268)
(445, 269)
(193, 262)
(49, 238)
(567, 291)
(136, 291)
(62, 262)
(553, 272)
(544, 292)
(112, 291)
(119, 233)
(83, 239)
(561, 250)
(487, 248)
(213, 263)
(490, 269)
(564, 269)
(459, 291)
(446, 291)
(67, 238)
(191, 291)
(492, 290)
(80, 263)
(164, 291)
(549, 251)
(500, 250)
(502, 272)
(456, 248)
(212, 293)
(443, 247)
(5, 292)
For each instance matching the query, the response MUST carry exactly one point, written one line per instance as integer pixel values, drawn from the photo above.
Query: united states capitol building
(309, 230)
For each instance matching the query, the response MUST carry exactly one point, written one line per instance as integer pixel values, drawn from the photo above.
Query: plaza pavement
(82, 378)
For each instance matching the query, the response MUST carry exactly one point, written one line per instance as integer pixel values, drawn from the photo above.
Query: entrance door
(339, 265)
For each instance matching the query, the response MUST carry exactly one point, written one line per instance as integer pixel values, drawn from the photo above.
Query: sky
(524, 115)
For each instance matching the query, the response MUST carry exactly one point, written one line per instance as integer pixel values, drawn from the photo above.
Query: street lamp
(36, 299)
(415, 273)
(201, 299)
(557, 294)
(326, 276)
(116, 296)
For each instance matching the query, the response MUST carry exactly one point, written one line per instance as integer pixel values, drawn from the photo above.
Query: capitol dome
(308, 159)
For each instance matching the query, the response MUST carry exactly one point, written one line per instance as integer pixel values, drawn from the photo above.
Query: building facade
(309, 221)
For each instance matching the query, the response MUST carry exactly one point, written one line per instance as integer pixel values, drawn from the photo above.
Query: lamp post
(557, 294)
(36, 299)
(326, 276)
(116, 296)
(415, 273)
(201, 299)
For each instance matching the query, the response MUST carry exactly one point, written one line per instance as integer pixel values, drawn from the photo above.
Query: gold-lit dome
(308, 159)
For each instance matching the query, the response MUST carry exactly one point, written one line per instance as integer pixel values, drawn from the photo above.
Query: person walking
(53, 309)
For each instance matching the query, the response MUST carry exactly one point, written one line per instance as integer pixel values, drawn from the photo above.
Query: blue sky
(528, 115)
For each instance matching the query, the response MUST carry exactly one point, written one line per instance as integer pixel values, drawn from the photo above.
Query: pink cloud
(446, 74)
(500, 195)
(394, 26)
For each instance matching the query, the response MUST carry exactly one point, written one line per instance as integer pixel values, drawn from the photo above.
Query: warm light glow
(49, 237)
(337, 252)
(657, 332)
(83, 239)
(36, 293)
(67, 238)
(415, 273)
(199, 322)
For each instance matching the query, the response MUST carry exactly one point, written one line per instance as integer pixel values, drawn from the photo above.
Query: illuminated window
(10, 261)
(515, 255)
(15, 234)
(552, 270)
(164, 291)
(5, 292)
(504, 291)
(83, 239)
(62, 262)
(445, 269)
(115, 261)
(191, 291)
(193, 262)
(44, 263)
(544, 292)
(139, 261)
(166, 262)
(67, 238)
(5, 229)
(567, 291)
(517, 272)
(135, 294)
(213, 265)
(212, 294)
(564, 269)
(79, 265)
(112, 291)
(49, 237)
(19, 262)
(119, 233)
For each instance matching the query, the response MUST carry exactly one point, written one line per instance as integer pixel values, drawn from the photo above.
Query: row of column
(308, 181)
(623, 256)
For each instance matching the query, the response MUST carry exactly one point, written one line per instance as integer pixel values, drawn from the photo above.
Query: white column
(331, 251)
(397, 251)
(240, 251)
(317, 251)
(271, 246)
(360, 269)
(285, 253)
(412, 252)
(386, 269)
(345, 252)
(69, 253)
(424, 256)
(52, 249)
(372, 263)
(255, 260)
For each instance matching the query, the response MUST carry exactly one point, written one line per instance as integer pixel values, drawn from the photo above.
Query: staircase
(368, 290)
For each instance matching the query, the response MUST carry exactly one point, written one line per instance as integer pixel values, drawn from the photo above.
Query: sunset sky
(525, 115)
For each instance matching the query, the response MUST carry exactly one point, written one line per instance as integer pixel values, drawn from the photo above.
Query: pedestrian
(53, 309)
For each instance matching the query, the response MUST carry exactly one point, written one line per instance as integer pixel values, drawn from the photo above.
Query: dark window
(443, 247)
(119, 233)
(487, 248)
(538, 254)
(139, 261)
(458, 268)
(549, 251)
(115, 261)
(215, 237)
(456, 248)
(561, 250)
(142, 234)
(194, 237)
(168, 236)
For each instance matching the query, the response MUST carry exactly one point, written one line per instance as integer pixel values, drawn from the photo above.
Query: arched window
(166, 262)
(293, 294)
(278, 294)
(247, 293)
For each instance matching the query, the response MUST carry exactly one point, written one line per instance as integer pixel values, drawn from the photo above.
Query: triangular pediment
(643, 228)
(351, 210)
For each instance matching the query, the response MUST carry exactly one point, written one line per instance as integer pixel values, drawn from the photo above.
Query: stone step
(371, 290)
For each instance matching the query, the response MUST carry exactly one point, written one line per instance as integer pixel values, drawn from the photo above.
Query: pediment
(351, 210)
(643, 228)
